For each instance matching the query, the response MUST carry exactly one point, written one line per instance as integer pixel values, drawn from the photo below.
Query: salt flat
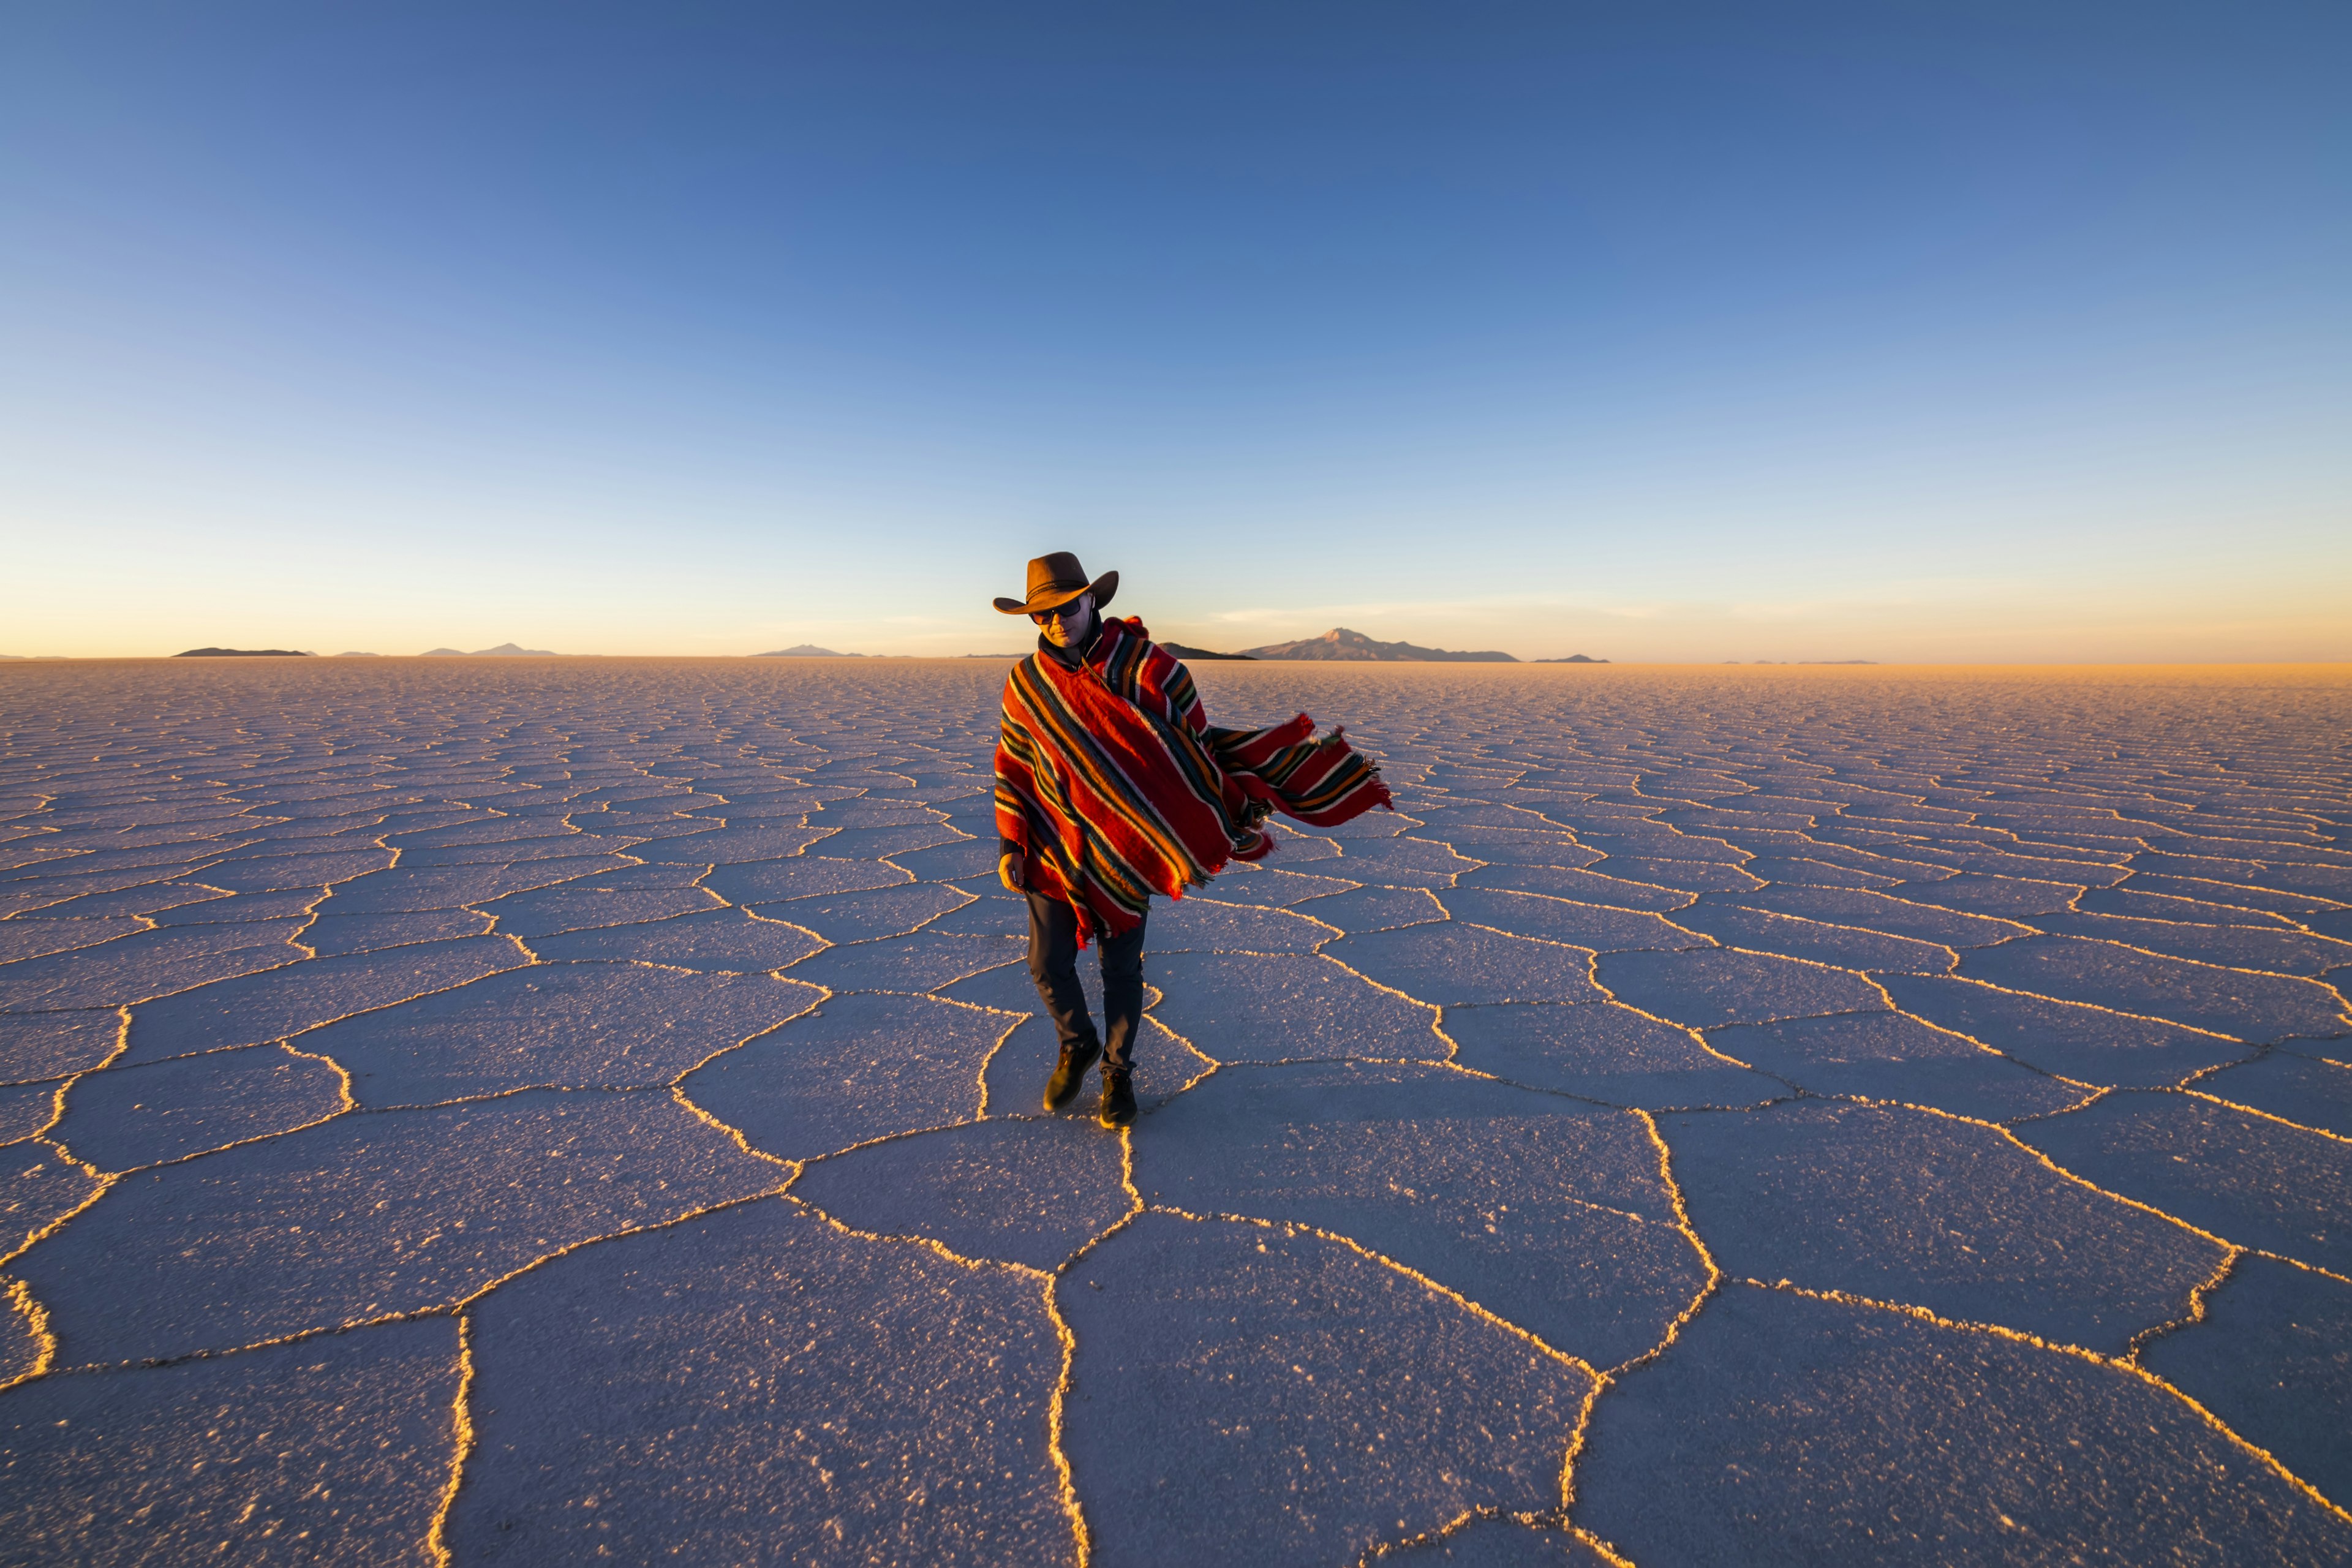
(525, 1112)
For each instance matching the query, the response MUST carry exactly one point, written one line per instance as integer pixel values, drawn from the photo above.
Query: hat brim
(1045, 599)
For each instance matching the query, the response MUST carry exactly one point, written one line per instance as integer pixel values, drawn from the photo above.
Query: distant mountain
(245, 653)
(1339, 643)
(807, 650)
(1571, 659)
(504, 650)
(1183, 651)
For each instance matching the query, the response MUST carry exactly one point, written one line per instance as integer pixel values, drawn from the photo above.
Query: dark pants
(1054, 965)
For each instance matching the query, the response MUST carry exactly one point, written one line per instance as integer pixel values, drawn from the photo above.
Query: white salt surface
(591, 1110)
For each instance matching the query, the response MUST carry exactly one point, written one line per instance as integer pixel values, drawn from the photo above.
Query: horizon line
(1595, 663)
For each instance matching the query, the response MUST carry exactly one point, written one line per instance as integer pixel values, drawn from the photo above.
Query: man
(1112, 785)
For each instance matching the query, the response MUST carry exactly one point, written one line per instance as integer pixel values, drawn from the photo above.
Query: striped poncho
(1112, 784)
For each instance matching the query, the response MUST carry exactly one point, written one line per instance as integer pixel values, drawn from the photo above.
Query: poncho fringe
(1115, 785)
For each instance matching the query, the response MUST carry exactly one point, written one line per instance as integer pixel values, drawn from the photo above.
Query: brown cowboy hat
(1056, 579)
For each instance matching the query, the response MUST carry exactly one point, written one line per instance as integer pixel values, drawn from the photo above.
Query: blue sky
(1879, 331)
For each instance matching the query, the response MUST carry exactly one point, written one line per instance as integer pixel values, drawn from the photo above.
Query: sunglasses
(1062, 611)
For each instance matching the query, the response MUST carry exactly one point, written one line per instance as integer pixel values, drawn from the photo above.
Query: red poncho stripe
(1115, 785)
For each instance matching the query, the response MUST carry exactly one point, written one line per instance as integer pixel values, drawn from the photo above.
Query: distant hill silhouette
(245, 653)
(1339, 643)
(807, 650)
(1183, 650)
(504, 650)
(1571, 659)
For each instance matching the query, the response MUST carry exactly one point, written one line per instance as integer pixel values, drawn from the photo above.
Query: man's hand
(1008, 871)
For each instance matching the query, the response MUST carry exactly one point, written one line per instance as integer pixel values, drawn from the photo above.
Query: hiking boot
(1069, 1073)
(1119, 1097)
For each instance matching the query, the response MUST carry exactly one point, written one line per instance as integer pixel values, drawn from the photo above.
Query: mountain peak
(504, 650)
(245, 653)
(1341, 643)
